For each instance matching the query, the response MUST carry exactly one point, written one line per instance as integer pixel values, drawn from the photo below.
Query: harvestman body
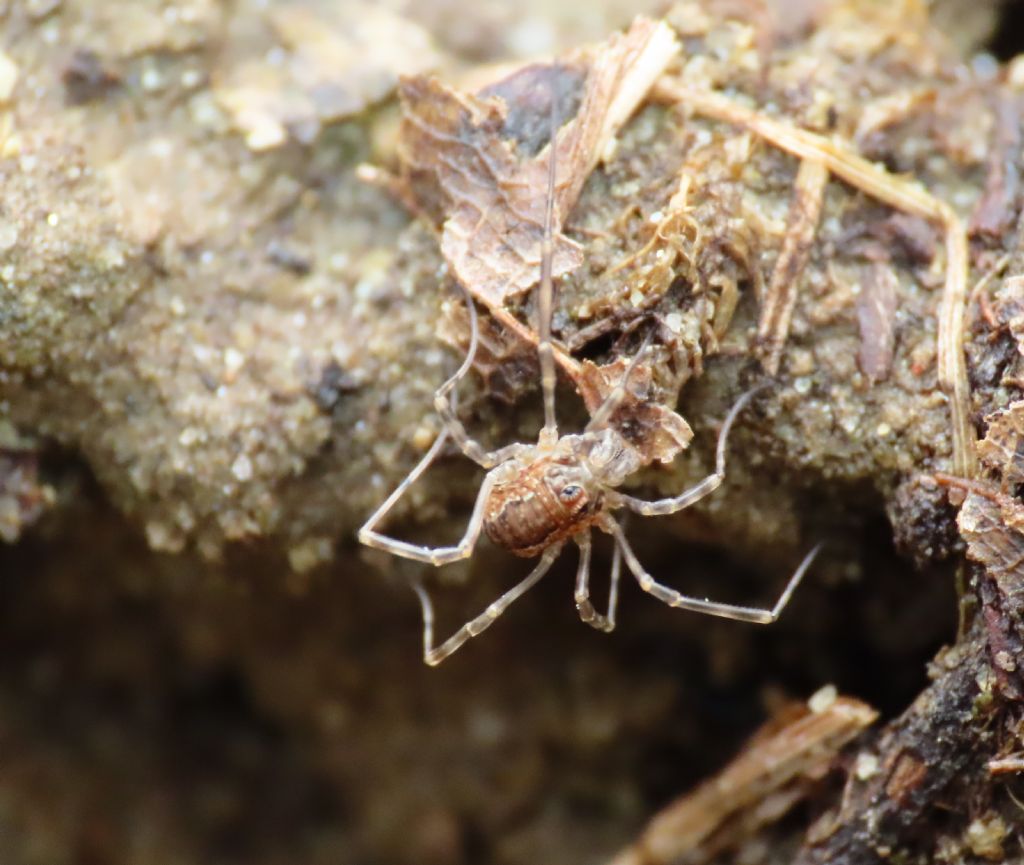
(536, 498)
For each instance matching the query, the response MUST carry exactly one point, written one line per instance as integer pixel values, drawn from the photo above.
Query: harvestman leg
(436, 556)
(433, 655)
(695, 493)
(445, 401)
(618, 393)
(755, 615)
(586, 609)
(546, 292)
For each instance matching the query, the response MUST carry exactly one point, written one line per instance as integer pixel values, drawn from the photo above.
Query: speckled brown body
(534, 505)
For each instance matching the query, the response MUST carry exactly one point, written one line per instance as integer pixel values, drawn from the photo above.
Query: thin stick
(802, 225)
(901, 193)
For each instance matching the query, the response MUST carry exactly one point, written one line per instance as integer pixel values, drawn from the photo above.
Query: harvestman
(536, 498)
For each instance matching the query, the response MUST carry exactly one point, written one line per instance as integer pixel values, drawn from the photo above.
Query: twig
(802, 225)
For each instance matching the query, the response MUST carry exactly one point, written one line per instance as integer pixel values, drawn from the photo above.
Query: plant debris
(1002, 449)
(490, 197)
(993, 526)
(238, 352)
(773, 772)
(777, 305)
(481, 165)
(906, 195)
(876, 315)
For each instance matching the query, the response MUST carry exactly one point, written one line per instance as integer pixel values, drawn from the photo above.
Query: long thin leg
(586, 609)
(618, 393)
(613, 592)
(433, 655)
(446, 401)
(755, 615)
(546, 290)
(436, 556)
(698, 491)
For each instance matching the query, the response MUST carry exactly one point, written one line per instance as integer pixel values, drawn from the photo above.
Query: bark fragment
(876, 314)
(937, 746)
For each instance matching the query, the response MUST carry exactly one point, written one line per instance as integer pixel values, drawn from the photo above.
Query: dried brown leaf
(468, 157)
(657, 432)
(1002, 448)
(462, 169)
(991, 524)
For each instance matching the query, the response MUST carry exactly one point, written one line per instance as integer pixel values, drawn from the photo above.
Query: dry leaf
(491, 203)
(990, 524)
(1002, 448)
(657, 432)
(470, 160)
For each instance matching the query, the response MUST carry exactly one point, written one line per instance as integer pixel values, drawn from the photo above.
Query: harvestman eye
(571, 492)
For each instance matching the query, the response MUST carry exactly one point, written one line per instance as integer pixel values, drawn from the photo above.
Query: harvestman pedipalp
(535, 498)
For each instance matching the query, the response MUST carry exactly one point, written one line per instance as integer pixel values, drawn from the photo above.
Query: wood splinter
(756, 788)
